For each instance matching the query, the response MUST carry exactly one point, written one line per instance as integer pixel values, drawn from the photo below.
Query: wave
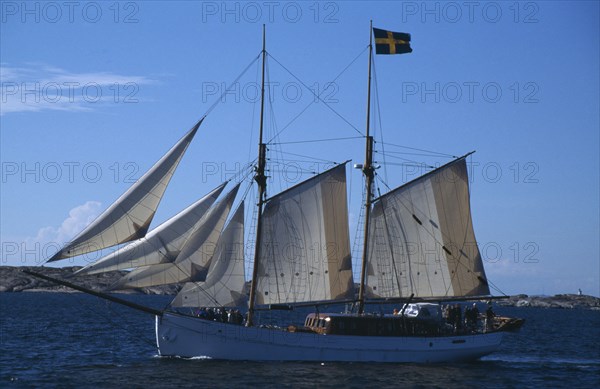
(541, 360)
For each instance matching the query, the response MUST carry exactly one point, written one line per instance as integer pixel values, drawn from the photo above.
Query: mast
(368, 172)
(261, 180)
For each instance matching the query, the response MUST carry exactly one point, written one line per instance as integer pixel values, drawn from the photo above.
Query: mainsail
(225, 280)
(193, 261)
(305, 248)
(129, 217)
(162, 244)
(421, 239)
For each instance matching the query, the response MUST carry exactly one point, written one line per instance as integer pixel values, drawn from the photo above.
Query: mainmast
(368, 171)
(261, 180)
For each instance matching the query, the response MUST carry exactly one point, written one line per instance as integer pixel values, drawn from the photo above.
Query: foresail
(225, 280)
(421, 239)
(193, 261)
(305, 248)
(162, 244)
(129, 217)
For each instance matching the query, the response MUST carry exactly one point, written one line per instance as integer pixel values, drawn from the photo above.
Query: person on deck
(473, 317)
(210, 314)
(202, 313)
(239, 319)
(489, 317)
(446, 313)
(224, 315)
(457, 319)
(468, 317)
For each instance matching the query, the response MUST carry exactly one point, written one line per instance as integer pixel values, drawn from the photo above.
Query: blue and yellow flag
(389, 42)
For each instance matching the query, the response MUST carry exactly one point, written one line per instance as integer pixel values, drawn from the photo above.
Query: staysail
(421, 239)
(129, 217)
(305, 247)
(225, 280)
(162, 244)
(193, 261)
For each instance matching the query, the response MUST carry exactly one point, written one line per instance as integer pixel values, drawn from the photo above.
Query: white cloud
(39, 87)
(53, 238)
(79, 218)
(34, 250)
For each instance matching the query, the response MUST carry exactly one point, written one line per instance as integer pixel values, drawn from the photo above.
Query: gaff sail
(421, 239)
(305, 246)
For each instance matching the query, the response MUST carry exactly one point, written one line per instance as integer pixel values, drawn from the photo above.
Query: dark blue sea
(75, 340)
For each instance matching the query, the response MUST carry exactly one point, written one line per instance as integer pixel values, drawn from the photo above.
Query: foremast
(261, 181)
(369, 174)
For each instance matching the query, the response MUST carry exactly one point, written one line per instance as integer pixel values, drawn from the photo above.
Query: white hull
(186, 336)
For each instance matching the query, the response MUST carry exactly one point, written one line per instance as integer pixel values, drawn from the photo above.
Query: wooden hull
(185, 336)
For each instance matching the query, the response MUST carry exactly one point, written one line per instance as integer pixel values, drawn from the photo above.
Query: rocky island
(567, 301)
(12, 279)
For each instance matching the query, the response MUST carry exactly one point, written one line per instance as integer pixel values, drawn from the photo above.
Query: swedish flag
(388, 42)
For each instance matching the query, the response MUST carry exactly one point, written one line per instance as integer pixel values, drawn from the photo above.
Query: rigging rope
(231, 85)
(378, 108)
(403, 159)
(318, 96)
(276, 151)
(420, 154)
(323, 91)
(422, 150)
(316, 140)
(307, 156)
(252, 128)
(383, 182)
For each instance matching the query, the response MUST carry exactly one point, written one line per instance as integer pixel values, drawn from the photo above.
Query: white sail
(129, 217)
(305, 247)
(162, 244)
(421, 239)
(225, 280)
(193, 261)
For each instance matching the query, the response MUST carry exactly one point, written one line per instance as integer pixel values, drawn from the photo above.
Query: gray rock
(12, 279)
(563, 301)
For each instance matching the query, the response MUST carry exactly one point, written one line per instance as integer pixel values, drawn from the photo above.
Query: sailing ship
(419, 251)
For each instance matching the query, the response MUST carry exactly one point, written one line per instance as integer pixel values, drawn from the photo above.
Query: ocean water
(75, 340)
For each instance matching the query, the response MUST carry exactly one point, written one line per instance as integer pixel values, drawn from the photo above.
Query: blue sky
(93, 93)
